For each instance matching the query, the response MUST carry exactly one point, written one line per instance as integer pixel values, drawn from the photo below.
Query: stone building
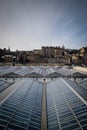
(8, 58)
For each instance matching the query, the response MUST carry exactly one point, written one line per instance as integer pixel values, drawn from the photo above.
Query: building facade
(8, 58)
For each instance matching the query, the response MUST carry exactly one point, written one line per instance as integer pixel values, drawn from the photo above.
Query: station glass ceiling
(65, 111)
(22, 109)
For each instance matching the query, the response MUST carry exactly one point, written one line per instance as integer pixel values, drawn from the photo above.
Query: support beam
(44, 116)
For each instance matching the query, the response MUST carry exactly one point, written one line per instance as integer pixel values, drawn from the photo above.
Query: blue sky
(30, 24)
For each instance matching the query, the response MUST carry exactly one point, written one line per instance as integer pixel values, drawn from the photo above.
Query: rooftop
(42, 103)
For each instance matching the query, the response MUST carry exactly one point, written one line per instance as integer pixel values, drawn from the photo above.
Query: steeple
(9, 48)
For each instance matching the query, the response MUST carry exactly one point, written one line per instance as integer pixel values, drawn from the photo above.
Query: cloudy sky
(30, 24)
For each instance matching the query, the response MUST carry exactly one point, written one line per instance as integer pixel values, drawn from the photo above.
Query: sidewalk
(84, 69)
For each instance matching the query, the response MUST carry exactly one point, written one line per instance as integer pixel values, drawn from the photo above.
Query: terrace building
(53, 51)
(8, 58)
(83, 55)
(37, 51)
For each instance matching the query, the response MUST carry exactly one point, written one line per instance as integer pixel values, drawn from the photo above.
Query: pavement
(82, 69)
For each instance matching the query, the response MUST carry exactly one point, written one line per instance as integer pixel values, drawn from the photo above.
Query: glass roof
(22, 107)
(64, 109)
